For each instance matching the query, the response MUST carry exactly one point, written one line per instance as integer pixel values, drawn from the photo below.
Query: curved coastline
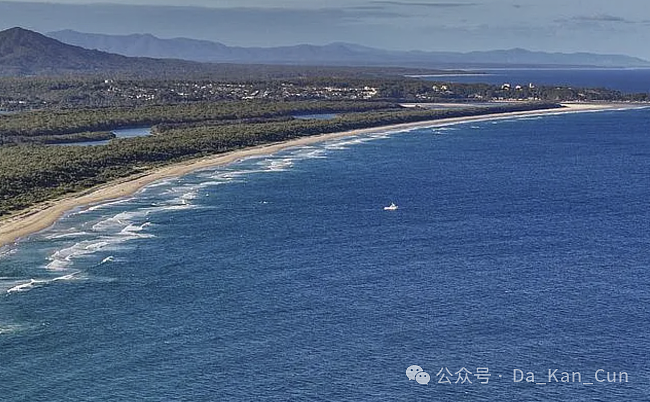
(40, 217)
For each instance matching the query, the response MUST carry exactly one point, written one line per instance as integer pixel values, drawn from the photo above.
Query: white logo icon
(416, 373)
(423, 378)
(412, 371)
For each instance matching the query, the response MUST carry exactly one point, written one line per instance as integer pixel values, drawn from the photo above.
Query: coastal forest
(197, 114)
(32, 171)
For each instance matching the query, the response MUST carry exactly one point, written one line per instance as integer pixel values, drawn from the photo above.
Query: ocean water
(624, 80)
(518, 244)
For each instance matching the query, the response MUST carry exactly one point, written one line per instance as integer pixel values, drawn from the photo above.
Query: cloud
(419, 4)
(237, 26)
(600, 18)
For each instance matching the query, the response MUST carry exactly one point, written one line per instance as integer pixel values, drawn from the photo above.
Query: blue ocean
(624, 80)
(519, 252)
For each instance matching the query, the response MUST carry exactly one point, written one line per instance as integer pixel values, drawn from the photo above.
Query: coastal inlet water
(518, 245)
(316, 116)
(132, 132)
(119, 133)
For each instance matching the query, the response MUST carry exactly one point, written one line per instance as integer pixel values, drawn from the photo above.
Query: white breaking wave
(160, 183)
(177, 194)
(106, 260)
(7, 252)
(66, 235)
(176, 207)
(24, 287)
(120, 220)
(68, 277)
(190, 195)
(36, 283)
(134, 231)
(64, 258)
(445, 128)
(278, 165)
(233, 175)
(102, 206)
(310, 153)
(342, 145)
(9, 329)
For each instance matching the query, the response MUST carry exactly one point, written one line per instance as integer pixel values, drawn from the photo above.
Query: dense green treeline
(65, 122)
(86, 136)
(34, 173)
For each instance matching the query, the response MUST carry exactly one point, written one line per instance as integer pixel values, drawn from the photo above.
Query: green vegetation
(73, 138)
(52, 126)
(31, 173)
(197, 109)
(123, 92)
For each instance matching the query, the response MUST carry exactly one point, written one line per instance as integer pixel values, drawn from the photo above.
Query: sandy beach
(44, 215)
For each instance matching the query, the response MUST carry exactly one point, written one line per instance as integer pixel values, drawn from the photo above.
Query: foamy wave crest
(183, 197)
(133, 231)
(310, 153)
(108, 224)
(37, 283)
(177, 204)
(190, 195)
(120, 220)
(24, 287)
(69, 277)
(441, 130)
(277, 165)
(233, 176)
(66, 235)
(106, 260)
(212, 183)
(6, 252)
(102, 206)
(529, 118)
(62, 259)
(176, 207)
(6, 329)
(160, 183)
(381, 136)
(344, 144)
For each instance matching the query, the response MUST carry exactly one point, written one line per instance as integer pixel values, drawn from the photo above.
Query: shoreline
(42, 216)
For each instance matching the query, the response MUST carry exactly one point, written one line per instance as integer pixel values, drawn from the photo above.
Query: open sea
(624, 80)
(520, 246)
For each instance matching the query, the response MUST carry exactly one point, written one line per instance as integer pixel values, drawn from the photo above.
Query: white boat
(391, 207)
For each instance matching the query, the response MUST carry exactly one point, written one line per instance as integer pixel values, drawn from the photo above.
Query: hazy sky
(600, 26)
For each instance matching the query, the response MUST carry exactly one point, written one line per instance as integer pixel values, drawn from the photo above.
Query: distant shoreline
(40, 217)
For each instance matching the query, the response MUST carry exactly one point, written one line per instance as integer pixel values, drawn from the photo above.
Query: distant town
(31, 93)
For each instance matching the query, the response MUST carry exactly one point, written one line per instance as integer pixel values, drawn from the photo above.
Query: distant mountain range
(145, 45)
(24, 52)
